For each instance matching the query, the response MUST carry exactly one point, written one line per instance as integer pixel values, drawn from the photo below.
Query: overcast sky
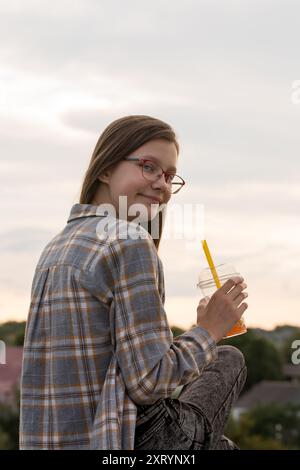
(220, 72)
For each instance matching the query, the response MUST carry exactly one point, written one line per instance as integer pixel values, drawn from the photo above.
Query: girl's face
(126, 178)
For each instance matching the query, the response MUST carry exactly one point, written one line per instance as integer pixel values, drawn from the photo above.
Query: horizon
(284, 325)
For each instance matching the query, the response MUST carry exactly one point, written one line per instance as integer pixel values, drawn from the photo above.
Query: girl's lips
(154, 200)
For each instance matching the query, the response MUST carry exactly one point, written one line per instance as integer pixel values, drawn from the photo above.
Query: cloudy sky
(222, 73)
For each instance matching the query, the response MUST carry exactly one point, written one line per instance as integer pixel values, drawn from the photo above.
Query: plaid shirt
(97, 340)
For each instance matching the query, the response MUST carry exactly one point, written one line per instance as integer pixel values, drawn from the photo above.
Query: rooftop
(291, 371)
(269, 391)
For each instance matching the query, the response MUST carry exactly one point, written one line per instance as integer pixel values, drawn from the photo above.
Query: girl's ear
(105, 177)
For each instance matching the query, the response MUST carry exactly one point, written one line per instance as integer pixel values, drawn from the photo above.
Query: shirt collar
(84, 210)
(90, 210)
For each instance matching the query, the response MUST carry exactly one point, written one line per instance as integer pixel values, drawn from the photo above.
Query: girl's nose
(161, 183)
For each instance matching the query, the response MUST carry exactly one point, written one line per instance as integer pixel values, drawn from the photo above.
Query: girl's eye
(149, 168)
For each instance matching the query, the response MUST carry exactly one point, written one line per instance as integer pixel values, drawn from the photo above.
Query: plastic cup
(208, 287)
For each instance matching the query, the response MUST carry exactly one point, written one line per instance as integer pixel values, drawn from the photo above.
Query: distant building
(10, 373)
(292, 372)
(266, 392)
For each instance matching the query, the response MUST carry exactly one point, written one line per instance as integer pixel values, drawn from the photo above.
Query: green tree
(262, 358)
(13, 333)
(176, 330)
(9, 424)
(269, 426)
(19, 338)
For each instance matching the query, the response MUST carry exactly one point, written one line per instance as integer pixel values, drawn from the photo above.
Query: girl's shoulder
(114, 231)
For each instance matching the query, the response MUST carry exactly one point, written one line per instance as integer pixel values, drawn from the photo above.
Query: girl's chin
(146, 200)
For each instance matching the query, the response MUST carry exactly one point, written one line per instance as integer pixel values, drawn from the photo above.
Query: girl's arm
(152, 363)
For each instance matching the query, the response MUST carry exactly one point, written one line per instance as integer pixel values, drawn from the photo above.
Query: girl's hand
(219, 313)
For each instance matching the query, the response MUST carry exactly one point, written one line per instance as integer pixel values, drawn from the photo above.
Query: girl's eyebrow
(172, 168)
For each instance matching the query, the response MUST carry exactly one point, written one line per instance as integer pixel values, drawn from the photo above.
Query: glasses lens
(177, 184)
(152, 172)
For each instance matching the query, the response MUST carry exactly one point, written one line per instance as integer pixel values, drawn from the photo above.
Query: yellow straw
(211, 264)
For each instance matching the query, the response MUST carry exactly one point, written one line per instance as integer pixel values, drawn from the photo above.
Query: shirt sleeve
(153, 364)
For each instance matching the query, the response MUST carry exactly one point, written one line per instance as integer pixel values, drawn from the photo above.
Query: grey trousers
(196, 420)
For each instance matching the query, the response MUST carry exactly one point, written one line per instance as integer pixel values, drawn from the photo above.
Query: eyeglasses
(152, 172)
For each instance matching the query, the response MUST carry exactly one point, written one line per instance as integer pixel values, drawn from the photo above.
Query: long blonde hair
(119, 139)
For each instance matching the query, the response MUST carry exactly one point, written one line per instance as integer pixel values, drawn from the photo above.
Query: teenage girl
(100, 364)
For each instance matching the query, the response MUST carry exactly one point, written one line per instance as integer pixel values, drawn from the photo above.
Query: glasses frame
(165, 173)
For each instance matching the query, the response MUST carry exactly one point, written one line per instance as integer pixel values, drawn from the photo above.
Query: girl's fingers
(230, 283)
(236, 291)
(240, 299)
(242, 308)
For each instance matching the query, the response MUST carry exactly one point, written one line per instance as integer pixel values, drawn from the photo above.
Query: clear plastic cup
(208, 287)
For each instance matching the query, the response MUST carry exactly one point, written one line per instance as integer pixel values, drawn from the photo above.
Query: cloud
(25, 239)
(86, 31)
